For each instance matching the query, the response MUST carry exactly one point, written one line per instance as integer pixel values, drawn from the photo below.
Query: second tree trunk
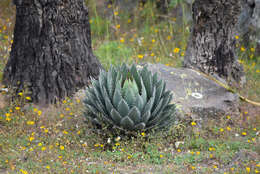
(211, 48)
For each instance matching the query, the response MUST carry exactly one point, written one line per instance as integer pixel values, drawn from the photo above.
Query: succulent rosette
(129, 99)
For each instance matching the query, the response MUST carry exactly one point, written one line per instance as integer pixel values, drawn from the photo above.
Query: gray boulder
(194, 94)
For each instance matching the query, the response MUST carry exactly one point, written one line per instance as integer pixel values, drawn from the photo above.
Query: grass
(113, 52)
(57, 139)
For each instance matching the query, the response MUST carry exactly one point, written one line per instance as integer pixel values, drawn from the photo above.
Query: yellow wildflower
(244, 133)
(122, 40)
(31, 138)
(168, 37)
(212, 149)
(140, 56)
(116, 13)
(242, 49)
(65, 132)
(30, 122)
(193, 123)
(23, 171)
(176, 50)
(248, 169)
(117, 26)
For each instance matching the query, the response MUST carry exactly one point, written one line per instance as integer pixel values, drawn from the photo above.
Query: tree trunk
(211, 48)
(244, 26)
(256, 25)
(51, 54)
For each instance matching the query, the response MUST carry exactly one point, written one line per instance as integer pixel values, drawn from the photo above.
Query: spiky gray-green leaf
(123, 108)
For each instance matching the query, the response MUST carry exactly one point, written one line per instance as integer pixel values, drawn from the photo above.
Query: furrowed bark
(51, 54)
(211, 48)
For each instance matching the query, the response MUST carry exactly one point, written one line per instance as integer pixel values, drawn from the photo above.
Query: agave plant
(129, 99)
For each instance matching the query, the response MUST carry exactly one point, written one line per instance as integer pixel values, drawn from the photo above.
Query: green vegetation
(112, 53)
(57, 140)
